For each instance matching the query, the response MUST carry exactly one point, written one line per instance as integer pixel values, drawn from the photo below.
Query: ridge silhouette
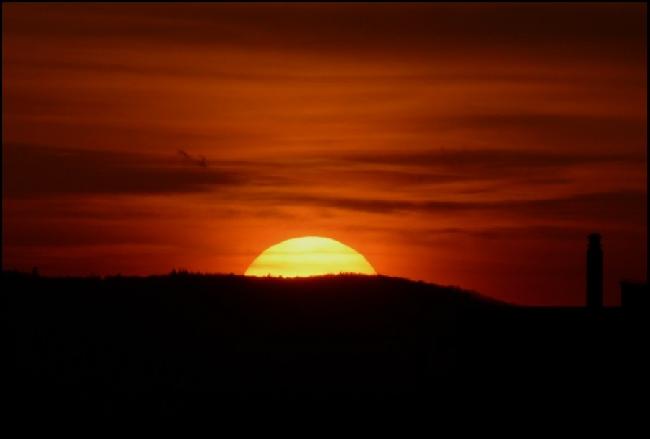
(189, 340)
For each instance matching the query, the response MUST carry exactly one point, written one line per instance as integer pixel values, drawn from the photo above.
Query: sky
(473, 145)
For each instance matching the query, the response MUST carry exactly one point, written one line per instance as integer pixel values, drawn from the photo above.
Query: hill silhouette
(183, 338)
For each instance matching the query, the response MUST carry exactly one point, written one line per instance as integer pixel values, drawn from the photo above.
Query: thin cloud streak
(620, 205)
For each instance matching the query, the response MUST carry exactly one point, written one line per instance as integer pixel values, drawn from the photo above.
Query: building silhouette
(634, 295)
(594, 272)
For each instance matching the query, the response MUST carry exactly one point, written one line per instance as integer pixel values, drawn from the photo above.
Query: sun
(309, 256)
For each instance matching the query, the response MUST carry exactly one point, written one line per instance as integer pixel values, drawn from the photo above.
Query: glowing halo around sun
(309, 256)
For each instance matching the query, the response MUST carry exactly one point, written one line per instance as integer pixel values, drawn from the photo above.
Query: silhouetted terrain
(178, 341)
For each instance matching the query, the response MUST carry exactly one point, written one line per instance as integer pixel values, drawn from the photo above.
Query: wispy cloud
(492, 160)
(35, 171)
(625, 206)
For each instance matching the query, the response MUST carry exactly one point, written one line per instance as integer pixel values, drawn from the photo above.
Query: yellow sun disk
(309, 256)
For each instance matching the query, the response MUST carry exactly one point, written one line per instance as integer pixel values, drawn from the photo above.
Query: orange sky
(473, 145)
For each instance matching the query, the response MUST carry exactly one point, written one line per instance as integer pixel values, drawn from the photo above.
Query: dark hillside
(173, 339)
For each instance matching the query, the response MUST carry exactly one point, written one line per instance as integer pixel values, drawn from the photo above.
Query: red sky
(473, 145)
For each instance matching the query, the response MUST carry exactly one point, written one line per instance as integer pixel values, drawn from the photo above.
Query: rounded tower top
(594, 239)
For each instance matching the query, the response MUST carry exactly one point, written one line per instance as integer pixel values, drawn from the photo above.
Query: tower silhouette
(594, 272)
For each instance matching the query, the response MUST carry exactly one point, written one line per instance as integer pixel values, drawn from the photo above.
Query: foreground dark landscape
(184, 341)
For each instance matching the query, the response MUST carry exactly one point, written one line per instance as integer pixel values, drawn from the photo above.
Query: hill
(174, 340)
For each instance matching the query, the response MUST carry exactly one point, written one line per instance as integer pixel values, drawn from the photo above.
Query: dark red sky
(475, 144)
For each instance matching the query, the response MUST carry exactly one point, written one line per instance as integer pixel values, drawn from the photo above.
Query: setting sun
(309, 256)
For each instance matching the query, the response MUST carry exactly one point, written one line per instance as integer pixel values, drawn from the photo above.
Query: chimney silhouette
(594, 272)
